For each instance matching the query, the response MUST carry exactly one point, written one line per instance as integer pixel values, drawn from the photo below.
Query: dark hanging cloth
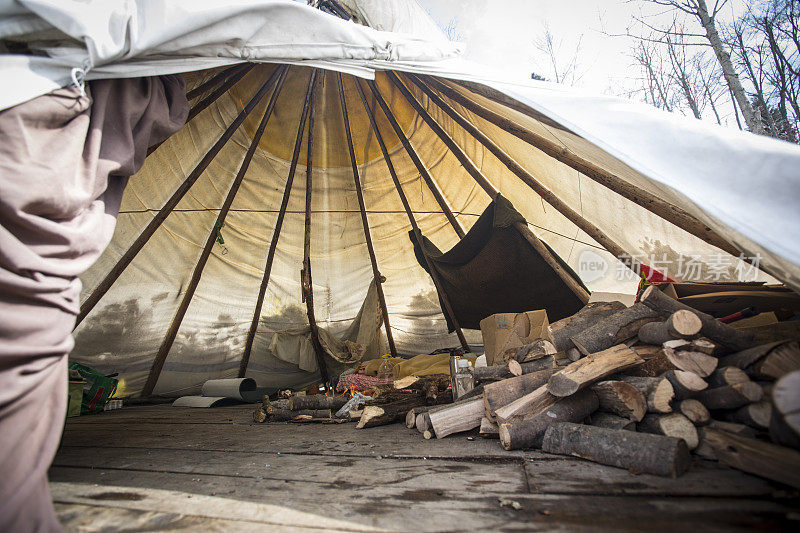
(493, 269)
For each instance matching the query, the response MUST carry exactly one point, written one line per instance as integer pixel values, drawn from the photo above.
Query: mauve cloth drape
(64, 161)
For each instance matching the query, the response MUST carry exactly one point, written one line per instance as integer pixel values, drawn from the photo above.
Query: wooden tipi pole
(546, 194)
(273, 245)
(172, 331)
(491, 190)
(673, 214)
(200, 106)
(364, 221)
(166, 209)
(215, 80)
(423, 171)
(306, 282)
(415, 229)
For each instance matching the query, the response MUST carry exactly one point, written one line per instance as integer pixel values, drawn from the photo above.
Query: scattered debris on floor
(639, 388)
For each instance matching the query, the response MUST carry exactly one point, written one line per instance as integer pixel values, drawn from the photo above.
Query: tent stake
(167, 208)
(652, 203)
(547, 195)
(364, 221)
(423, 171)
(417, 233)
(491, 190)
(273, 245)
(194, 281)
(306, 283)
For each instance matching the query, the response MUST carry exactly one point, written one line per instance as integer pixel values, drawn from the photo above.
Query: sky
(503, 32)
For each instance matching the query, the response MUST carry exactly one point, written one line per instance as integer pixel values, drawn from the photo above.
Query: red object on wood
(651, 275)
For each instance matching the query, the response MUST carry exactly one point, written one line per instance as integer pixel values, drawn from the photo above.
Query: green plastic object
(97, 389)
(74, 399)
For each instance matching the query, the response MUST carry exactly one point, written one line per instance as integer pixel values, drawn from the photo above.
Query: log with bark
(733, 427)
(379, 415)
(530, 352)
(712, 328)
(411, 416)
(611, 421)
(685, 384)
(286, 415)
(614, 329)
(744, 358)
(637, 452)
(488, 374)
(730, 396)
(727, 375)
(681, 324)
(528, 432)
(501, 393)
(756, 415)
(784, 427)
(780, 361)
(621, 398)
(698, 363)
(695, 411)
(317, 401)
(588, 316)
(671, 425)
(592, 368)
(658, 392)
(771, 461)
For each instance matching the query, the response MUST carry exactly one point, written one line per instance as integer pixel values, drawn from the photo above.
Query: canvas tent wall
(736, 188)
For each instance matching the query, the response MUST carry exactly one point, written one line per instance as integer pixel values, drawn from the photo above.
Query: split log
(730, 396)
(405, 382)
(285, 415)
(676, 344)
(756, 415)
(653, 367)
(502, 393)
(486, 374)
(756, 457)
(423, 422)
(727, 375)
(686, 384)
(528, 432)
(681, 324)
(317, 401)
(529, 405)
(744, 358)
(638, 452)
(530, 352)
(613, 330)
(610, 421)
(704, 449)
(591, 369)
(489, 429)
(658, 392)
(695, 411)
(380, 415)
(712, 328)
(588, 316)
(457, 417)
(646, 351)
(621, 398)
(784, 427)
(671, 425)
(697, 363)
(780, 361)
(546, 362)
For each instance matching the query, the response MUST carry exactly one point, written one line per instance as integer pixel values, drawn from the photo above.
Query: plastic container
(385, 370)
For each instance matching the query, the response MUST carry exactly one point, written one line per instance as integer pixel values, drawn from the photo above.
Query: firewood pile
(640, 388)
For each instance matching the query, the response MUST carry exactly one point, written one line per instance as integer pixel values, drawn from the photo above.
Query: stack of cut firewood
(639, 388)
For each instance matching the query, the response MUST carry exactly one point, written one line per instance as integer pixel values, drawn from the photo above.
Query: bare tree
(698, 10)
(565, 72)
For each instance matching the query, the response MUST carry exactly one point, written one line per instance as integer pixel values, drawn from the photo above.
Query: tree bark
(657, 391)
(621, 398)
(637, 452)
(528, 433)
(671, 425)
(502, 393)
(681, 324)
(686, 384)
(731, 396)
(756, 457)
(614, 329)
(611, 421)
(588, 316)
(586, 371)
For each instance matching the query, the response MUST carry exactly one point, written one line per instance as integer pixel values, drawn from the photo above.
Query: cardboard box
(504, 331)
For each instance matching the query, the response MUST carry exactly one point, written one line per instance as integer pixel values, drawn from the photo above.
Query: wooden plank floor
(165, 468)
